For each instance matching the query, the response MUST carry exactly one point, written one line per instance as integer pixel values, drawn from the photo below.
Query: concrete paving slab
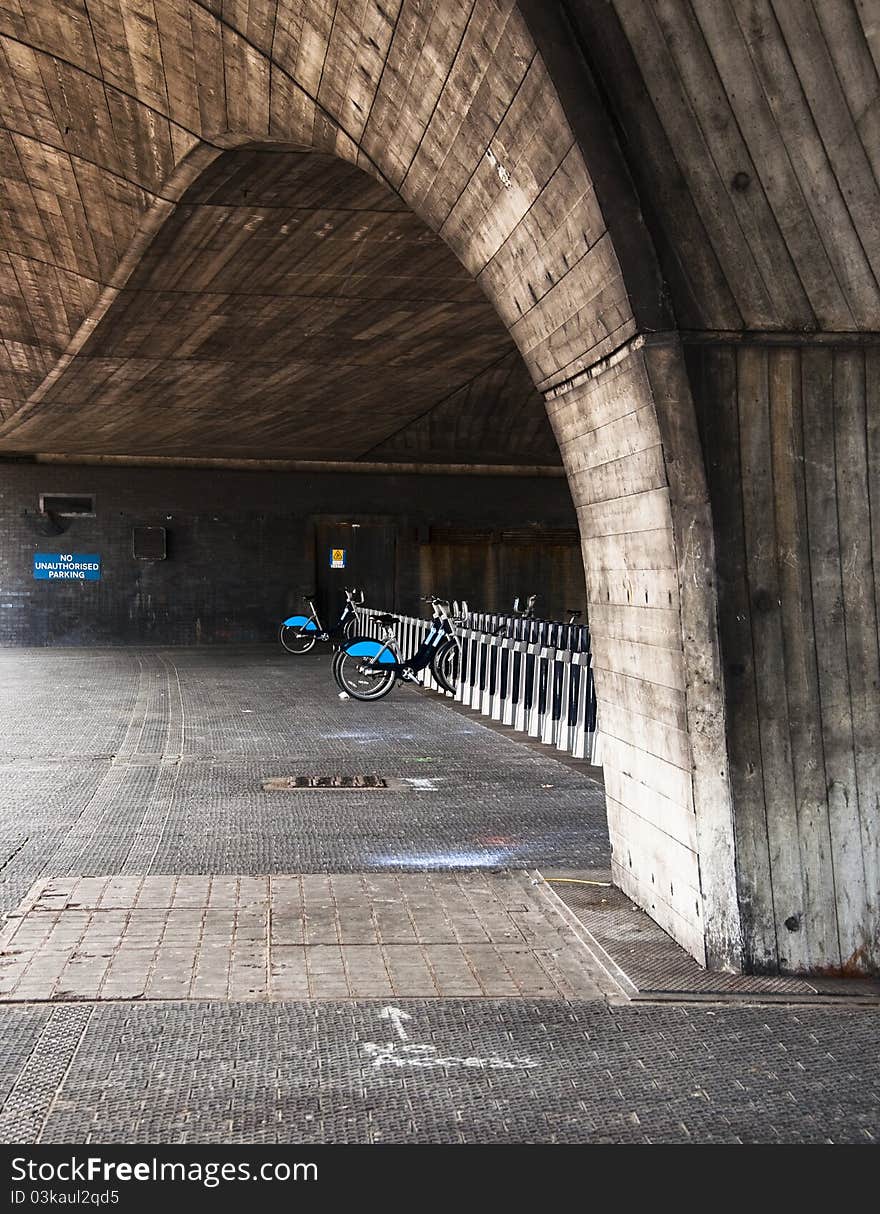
(155, 938)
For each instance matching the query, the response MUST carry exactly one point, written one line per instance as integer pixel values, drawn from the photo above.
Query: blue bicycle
(366, 668)
(299, 633)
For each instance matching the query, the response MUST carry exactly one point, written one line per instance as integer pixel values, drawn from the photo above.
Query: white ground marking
(392, 1053)
(396, 1016)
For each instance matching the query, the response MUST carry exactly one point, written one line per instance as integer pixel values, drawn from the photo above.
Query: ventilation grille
(513, 535)
(68, 505)
(541, 535)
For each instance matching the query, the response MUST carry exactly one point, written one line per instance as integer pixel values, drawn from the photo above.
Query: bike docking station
(367, 667)
(532, 675)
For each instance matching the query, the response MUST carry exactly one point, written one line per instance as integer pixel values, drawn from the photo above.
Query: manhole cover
(331, 783)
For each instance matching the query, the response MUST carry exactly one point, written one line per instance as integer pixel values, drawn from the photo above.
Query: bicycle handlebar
(528, 611)
(443, 607)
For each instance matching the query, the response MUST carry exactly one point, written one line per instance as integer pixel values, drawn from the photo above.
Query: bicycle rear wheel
(445, 663)
(295, 639)
(362, 678)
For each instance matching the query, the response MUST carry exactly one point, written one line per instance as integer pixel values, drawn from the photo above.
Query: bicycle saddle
(570, 611)
(387, 621)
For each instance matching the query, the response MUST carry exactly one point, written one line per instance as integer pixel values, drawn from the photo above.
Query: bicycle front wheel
(295, 639)
(444, 666)
(350, 627)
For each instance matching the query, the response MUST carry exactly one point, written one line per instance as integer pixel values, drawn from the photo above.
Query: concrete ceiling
(750, 133)
(293, 307)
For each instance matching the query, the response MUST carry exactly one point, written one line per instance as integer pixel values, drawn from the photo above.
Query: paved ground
(308, 936)
(129, 768)
(470, 1071)
(153, 762)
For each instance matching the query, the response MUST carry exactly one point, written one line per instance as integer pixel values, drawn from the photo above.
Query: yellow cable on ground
(574, 881)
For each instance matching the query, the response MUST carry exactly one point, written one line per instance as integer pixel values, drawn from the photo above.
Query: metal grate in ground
(468, 1071)
(335, 783)
(657, 966)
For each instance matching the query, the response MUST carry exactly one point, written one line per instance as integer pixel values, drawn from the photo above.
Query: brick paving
(134, 827)
(289, 937)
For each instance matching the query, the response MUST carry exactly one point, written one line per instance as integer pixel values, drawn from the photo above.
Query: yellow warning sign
(337, 558)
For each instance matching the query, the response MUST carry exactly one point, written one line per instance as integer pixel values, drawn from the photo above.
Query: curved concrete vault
(669, 207)
(294, 307)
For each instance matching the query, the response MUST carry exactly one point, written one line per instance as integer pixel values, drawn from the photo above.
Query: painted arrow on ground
(396, 1015)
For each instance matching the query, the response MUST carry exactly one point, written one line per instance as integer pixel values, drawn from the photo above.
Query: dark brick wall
(241, 548)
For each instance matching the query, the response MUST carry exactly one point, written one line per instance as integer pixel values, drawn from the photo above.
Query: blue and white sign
(67, 566)
(337, 558)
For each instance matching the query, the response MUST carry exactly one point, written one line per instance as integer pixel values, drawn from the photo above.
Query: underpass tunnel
(297, 365)
(298, 389)
(499, 299)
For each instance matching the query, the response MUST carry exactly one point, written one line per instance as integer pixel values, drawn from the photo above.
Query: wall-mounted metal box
(149, 543)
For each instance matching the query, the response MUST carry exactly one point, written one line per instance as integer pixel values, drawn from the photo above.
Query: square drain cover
(332, 783)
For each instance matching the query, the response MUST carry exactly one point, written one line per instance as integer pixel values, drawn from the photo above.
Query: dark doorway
(369, 554)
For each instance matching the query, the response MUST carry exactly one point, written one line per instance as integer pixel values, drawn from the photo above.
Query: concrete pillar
(790, 429)
(630, 445)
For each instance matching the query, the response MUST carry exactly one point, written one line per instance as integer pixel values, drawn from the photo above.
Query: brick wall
(242, 548)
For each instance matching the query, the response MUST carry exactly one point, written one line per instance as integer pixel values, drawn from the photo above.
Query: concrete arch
(108, 114)
(456, 111)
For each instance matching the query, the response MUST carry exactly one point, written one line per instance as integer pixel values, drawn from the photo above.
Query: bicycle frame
(388, 655)
(350, 609)
(309, 623)
(441, 630)
(385, 655)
